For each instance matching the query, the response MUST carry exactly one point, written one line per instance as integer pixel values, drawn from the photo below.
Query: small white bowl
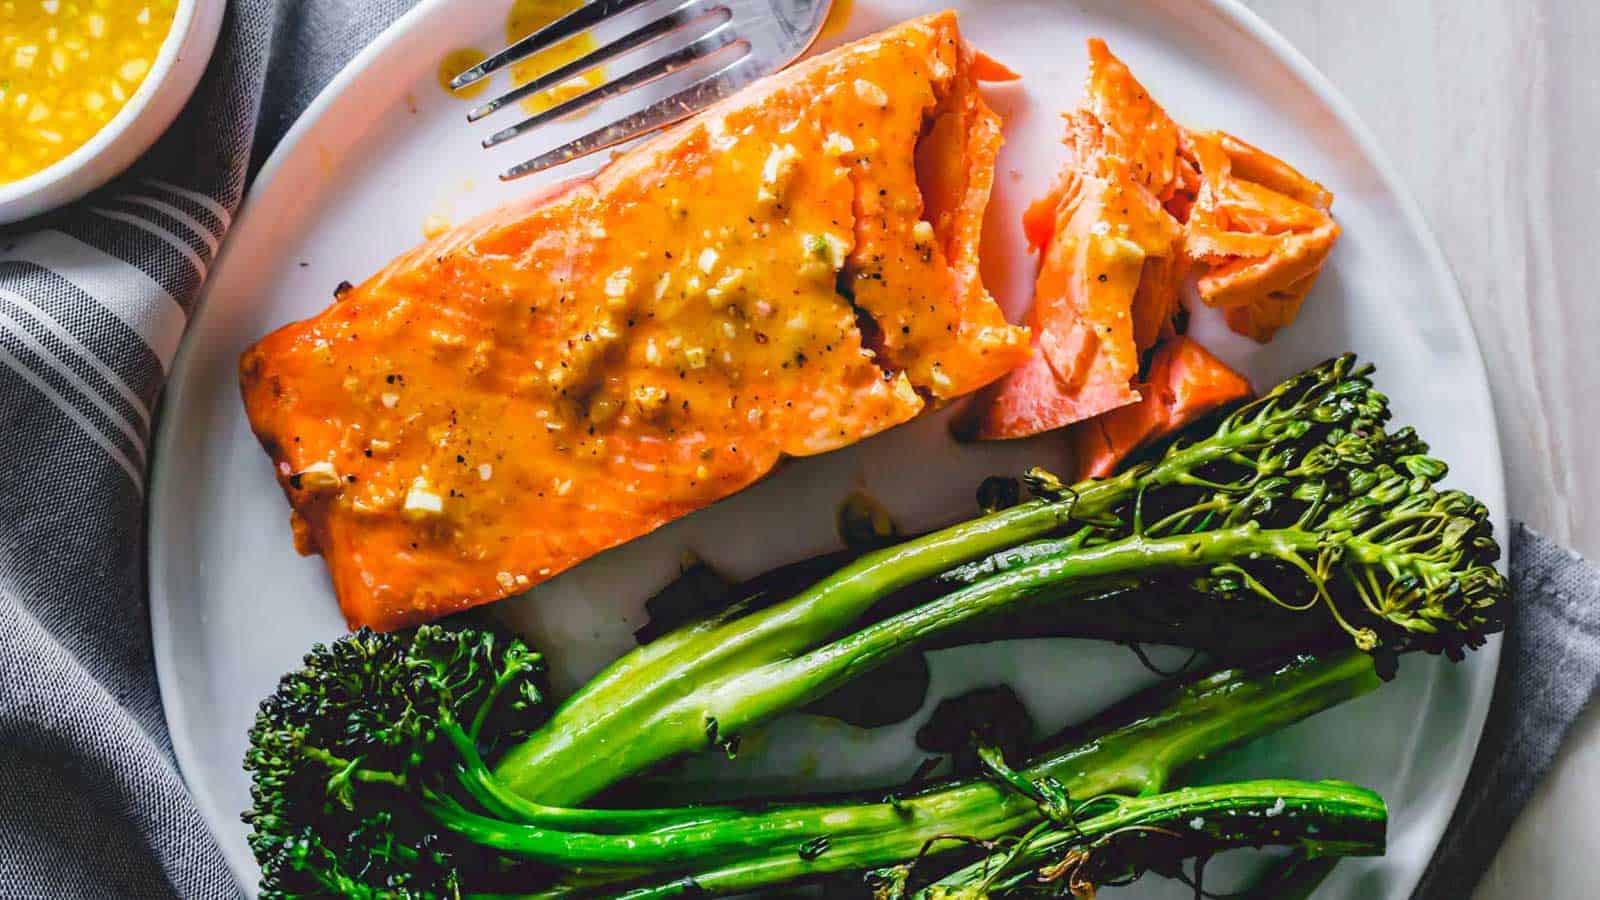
(134, 128)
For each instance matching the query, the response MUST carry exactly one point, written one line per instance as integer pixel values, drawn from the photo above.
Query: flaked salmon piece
(586, 364)
(1085, 356)
(1185, 383)
(1260, 230)
(1166, 202)
(1110, 269)
(1121, 129)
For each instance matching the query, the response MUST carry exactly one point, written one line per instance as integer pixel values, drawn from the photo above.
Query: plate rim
(1234, 12)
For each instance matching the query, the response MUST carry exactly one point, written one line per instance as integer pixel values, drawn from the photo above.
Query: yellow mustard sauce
(524, 18)
(457, 61)
(66, 68)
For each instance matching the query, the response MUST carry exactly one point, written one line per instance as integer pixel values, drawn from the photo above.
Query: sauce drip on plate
(524, 18)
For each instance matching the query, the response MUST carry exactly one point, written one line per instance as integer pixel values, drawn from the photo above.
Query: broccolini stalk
(1136, 749)
(1299, 499)
(1116, 838)
(1113, 838)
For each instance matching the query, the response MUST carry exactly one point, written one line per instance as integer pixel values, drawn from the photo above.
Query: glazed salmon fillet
(789, 272)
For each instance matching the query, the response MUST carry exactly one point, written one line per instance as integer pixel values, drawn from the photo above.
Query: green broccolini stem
(1136, 752)
(1320, 819)
(484, 788)
(1329, 818)
(636, 689)
(714, 704)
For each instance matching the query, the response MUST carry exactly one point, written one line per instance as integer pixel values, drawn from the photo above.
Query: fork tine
(581, 19)
(687, 102)
(682, 18)
(715, 41)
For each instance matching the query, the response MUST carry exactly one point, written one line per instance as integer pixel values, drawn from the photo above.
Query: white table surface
(1490, 108)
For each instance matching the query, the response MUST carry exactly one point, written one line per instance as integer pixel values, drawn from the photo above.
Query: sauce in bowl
(67, 67)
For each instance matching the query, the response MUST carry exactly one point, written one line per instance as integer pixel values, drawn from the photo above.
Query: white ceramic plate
(383, 148)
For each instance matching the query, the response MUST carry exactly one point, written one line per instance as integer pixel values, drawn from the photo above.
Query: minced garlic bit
(620, 283)
(319, 476)
(941, 382)
(434, 225)
(777, 172)
(421, 502)
(838, 144)
(391, 399)
(506, 580)
(442, 338)
(695, 357)
(869, 92)
(904, 392)
(485, 471)
(827, 248)
(708, 260)
(725, 287)
(922, 232)
(651, 399)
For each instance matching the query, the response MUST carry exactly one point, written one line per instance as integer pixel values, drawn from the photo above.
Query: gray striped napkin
(93, 303)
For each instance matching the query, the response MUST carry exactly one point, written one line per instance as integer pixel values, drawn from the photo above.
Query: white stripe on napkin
(20, 331)
(200, 231)
(220, 210)
(124, 289)
(72, 413)
(145, 225)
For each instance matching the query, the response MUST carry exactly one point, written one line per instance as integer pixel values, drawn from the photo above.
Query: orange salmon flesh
(1140, 205)
(789, 272)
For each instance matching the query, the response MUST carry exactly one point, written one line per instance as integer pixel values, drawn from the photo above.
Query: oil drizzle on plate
(528, 16)
(454, 63)
(524, 18)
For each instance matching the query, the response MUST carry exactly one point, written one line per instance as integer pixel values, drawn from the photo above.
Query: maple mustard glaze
(524, 18)
(786, 274)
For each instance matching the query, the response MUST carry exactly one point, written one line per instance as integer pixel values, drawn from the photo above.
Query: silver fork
(726, 43)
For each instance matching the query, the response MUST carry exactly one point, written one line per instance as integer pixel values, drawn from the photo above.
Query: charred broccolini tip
(1315, 506)
(363, 718)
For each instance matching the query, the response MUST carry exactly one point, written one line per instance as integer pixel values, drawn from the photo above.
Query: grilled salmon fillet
(789, 272)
